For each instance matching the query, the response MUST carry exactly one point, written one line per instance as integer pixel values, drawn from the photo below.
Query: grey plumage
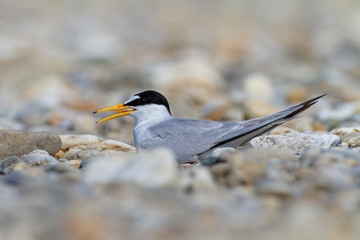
(192, 140)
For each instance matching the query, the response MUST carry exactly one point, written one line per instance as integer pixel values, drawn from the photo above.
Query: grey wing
(188, 137)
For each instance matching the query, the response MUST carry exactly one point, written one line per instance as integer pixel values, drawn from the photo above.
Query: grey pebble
(19, 143)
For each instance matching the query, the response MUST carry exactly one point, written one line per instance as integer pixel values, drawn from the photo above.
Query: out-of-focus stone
(189, 73)
(72, 163)
(259, 86)
(38, 158)
(298, 94)
(255, 108)
(150, 169)
(19, 143)
(197, 178)
(336, 116)
(296, 142)
(274, 187)
(12, 163)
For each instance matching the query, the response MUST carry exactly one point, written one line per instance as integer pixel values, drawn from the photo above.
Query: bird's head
(145, 105)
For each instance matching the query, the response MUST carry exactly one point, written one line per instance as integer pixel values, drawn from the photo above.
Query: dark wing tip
(305, 105)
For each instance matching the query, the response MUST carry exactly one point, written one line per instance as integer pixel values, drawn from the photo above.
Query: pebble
(19, 143)
(296, 142)
(247, 167)
(336, 116)
(298, 94)
(74, 144)
(196, 179)
(274, 187)
(259, 86)
(39, 157)
(255, 108)
(349, 135)
(12, 163)
(189, 73)
(150, 169)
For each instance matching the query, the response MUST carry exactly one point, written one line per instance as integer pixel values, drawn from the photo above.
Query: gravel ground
(64, 177)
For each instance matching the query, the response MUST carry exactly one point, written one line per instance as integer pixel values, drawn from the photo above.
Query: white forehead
(132, 99)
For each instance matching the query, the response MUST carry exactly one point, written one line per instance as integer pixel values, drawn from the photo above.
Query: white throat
(151, 113)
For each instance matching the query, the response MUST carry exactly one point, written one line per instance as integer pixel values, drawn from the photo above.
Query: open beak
(124, 110)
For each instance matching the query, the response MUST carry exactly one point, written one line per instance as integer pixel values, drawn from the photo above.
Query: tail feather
(259, 126)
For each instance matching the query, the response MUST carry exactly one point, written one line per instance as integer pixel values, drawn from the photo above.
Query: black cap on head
(149, 97)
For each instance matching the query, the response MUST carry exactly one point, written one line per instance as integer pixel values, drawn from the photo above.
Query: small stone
(189, 73)
(335, 177)
(72, 163)
(12, 163)
(336, 116)
(19, 143)
(255, 108)
(349, 135)
(84, 163)
(59, 154)
(150, 169)
(258, 85)
(196, 179)
(296, 142)
(38, 158)
(73, 144)
(353, 140)
(274, 187)
(58, 168)
(345, 131)
(298, 94)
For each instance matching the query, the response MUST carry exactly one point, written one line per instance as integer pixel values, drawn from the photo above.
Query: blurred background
(226, 60)
(220, 60)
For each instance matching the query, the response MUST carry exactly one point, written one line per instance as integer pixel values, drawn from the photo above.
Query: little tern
(192, 140)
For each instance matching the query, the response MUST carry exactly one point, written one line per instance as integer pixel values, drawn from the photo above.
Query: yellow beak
(124, 110)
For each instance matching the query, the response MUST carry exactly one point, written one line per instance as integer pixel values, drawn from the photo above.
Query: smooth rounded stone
(349, 135)
(336, 116)
(282, 131)
(335, 177)
(73, 144)
(275, 187)
(197, 178)
(150, 169)
(325, 157)
(251, 165)
(258, 85)
(7, 123)
(12, 163)
(215, 155)
(39, 157)
(296, 142)
(189, 73)
(19, 143)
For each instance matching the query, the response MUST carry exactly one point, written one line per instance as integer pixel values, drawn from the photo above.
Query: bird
(192, 140)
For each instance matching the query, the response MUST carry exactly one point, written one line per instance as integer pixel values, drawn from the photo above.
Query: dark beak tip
(94, 112)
